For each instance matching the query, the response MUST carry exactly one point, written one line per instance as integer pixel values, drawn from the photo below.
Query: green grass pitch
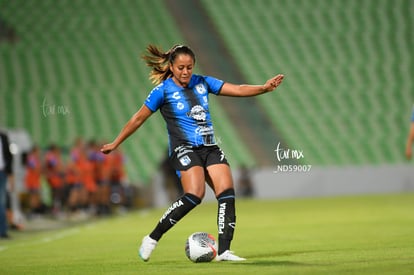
(341, 235)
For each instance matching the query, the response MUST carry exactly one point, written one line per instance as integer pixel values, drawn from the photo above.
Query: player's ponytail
(160, 61)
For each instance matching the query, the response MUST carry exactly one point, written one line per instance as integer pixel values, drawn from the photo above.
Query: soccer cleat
(229, 256)
(147, 246)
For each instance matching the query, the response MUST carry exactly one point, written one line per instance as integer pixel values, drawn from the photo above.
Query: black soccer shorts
(184, 157)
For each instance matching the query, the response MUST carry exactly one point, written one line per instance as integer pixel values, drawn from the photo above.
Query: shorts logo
(185, 160)
(222, 155)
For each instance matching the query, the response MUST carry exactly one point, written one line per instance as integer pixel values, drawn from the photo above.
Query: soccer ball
(201, 247)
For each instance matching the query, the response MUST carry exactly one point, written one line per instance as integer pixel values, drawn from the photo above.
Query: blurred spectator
(87, 173)
(77, 148)
(6, 173)
(85, 181)
(75, 177)
(93, 157)
(102, 165)
(117, 177)
(73, 183)
(32, 179)
(54, 176)
(245, 185)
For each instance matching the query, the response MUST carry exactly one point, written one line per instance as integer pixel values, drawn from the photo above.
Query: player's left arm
(229, 89)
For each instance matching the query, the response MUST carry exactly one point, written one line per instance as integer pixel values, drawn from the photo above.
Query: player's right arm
(130, 127)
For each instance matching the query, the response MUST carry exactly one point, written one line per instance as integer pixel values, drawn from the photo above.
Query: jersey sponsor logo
(198, 113)
(200, 89)
(206, 133)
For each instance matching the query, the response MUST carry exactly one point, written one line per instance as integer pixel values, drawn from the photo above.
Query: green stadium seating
(348, 92)
(346, 98)
(84, 57)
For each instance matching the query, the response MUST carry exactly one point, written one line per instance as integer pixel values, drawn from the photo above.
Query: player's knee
(197, 193)
(224, 190)
(196, 200)
(197, 190)
(226, 194)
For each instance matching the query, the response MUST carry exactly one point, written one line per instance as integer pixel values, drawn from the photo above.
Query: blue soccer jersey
(185, 110)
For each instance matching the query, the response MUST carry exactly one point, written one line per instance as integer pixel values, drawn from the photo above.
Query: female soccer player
(182, 98)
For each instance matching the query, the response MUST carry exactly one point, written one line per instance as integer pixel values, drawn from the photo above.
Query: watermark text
(286, 154)
(53, 109)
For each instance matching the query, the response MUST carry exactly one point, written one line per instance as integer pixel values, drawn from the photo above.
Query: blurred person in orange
(117, 177)
(73, 180)
(33, 179)
(102, 164)
(55, 176)
(87, 170)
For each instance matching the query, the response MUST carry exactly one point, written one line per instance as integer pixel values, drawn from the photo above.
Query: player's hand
(107, 148)
(272, 83)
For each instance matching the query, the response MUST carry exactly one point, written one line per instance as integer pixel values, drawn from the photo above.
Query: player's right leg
(174, 213)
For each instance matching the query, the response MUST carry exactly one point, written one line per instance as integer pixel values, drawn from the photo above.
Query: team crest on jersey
(185, 160)
(200, 89)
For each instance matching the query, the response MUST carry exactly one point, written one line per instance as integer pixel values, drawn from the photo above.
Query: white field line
(53, 237)
(48, 239)
(59, 235)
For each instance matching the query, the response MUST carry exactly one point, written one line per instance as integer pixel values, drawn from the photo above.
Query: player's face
(182, 69)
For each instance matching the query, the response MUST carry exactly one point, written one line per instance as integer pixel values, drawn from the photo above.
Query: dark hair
(160, 61)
